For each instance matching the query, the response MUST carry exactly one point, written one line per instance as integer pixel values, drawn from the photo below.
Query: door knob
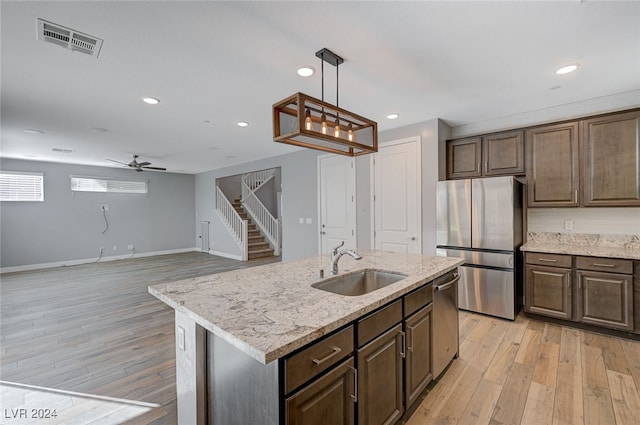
(413, 238)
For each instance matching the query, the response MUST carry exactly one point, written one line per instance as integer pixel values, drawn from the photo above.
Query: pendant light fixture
(302, 120)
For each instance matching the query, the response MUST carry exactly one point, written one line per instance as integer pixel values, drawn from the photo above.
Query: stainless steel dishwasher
(445, 344)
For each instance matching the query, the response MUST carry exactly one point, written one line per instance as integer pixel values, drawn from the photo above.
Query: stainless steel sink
(359, 283)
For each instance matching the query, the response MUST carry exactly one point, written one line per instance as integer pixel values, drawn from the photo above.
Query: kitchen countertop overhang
(270, 311)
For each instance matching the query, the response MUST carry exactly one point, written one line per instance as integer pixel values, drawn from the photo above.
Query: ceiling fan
(138, 166)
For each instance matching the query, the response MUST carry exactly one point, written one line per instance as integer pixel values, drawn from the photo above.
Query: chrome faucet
(336, 254)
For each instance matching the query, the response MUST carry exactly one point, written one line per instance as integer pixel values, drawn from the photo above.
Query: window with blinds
(18, 186)
(96, 184)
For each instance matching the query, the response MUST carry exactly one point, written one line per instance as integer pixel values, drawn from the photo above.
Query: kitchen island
(237, 327)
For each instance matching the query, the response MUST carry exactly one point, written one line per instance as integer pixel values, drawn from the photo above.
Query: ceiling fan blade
(143, 164)
(155, 168)
(117, 162)
(139, 170)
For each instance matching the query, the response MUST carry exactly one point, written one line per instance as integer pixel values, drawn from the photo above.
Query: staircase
(258, 246)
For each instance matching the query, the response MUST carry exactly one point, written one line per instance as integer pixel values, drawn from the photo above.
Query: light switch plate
(308, 220)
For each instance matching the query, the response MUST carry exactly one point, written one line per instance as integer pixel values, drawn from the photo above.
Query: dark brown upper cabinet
(553, 175)
(496, 154)
(611, 160)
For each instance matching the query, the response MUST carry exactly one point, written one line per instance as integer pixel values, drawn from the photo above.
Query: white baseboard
(227, 255)
(28, 267)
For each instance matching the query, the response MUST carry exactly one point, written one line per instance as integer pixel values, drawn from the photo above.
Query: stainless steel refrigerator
(480, 220)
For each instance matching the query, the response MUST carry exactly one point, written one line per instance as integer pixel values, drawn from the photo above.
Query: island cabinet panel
(373, 325)
(380, 379)
(611, 158)
(418, 372)
(317, 358)
(328, 400)
(553, 172)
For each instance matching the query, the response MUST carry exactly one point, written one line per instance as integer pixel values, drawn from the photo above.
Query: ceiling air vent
(68, 38)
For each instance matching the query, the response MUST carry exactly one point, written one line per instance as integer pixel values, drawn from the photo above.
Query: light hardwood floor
(91, 341)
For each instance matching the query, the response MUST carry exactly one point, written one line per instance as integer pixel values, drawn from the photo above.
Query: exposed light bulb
(323, 124)
(308, 124)
(336, 129)
(350, 133)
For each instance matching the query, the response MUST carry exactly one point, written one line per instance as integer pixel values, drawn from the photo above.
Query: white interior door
(337, 204)
(397, 196)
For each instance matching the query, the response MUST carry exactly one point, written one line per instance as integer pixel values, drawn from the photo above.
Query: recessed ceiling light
(100, 129)
(392, 116)
(567, 69)
(151, 100)
(33, 131)
(242, 124)
(306, 71)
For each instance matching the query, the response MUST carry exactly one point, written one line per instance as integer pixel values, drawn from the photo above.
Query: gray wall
(299, 194)
(69, 226)
(299, 199)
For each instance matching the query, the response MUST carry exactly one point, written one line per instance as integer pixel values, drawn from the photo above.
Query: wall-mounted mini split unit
(68, 38)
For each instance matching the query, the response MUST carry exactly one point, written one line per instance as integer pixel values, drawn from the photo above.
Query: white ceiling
(213, 64)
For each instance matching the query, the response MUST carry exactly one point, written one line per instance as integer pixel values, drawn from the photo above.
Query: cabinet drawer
(418, 299)
(605, 264)
(551, 260)
(378, 322)
(319, 357)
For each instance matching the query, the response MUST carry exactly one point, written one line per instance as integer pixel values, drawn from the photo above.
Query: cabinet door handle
(479, 167)
(575, 196)
(486, 167)
(335, 351)
(547, 260)
(604, 265)
(403, 351)
(354, 396)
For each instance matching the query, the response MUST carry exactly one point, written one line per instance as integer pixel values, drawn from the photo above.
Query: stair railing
(257, 179)
(266, 222)
(234, 223)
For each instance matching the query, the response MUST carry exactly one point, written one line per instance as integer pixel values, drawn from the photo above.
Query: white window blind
(96, 184)
(18, 186)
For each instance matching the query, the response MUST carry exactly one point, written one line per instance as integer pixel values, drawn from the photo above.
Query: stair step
(260, 254)
(258, 246)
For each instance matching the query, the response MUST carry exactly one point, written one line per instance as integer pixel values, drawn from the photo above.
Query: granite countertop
(270, 311)
(611, 246)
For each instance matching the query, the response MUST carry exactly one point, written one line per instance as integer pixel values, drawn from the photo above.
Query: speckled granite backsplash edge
(585, 239)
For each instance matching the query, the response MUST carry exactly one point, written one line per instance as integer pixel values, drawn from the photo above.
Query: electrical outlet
(101, 249)
(568, 225)
(115, 247)
(130, 246)
(104, 207)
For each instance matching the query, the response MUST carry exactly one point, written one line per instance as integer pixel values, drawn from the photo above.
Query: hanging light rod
(301, 120)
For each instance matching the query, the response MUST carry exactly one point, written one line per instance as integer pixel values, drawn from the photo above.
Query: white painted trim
(68, 263)
(372, 207)
(227, 255)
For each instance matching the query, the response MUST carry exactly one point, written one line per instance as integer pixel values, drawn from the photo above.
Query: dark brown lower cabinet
(380, 379)
(605, 299)
(329, 400)
(548, 291)
(418, 371)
